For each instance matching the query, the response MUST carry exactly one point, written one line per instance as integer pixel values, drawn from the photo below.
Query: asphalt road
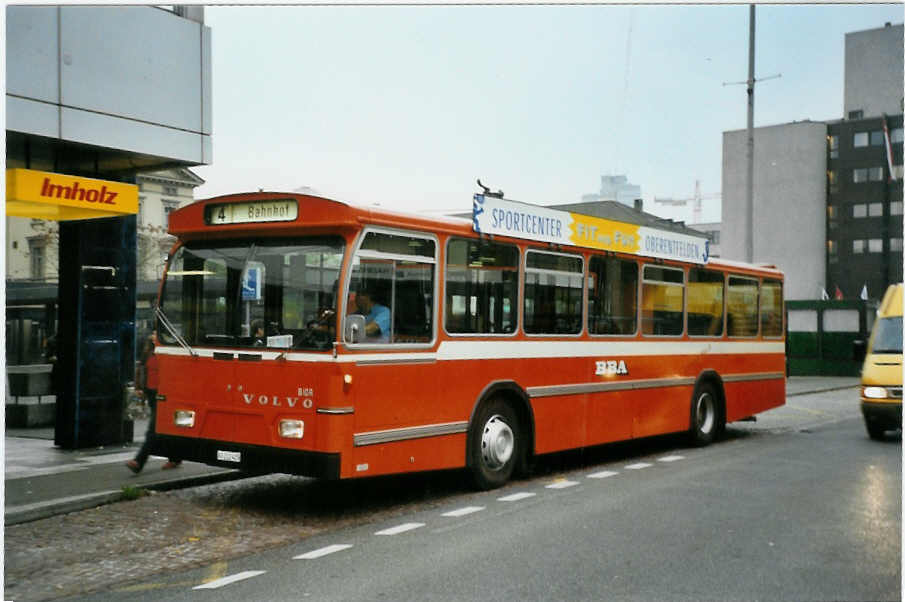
(798, 506)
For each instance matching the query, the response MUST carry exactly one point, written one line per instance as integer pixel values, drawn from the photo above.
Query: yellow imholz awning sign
(53, 196)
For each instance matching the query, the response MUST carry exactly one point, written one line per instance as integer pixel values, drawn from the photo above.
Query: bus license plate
(229, 456)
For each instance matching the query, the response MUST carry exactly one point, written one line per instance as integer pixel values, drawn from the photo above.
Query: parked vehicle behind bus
(881, 374)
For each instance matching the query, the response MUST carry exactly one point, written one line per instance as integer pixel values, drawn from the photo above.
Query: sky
(407, 106)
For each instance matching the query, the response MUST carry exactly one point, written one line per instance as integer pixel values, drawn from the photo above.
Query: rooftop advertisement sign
(493, 215)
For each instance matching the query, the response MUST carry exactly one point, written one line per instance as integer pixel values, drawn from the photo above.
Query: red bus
(308, 336)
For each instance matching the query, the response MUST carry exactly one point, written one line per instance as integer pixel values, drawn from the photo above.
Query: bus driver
(377, 316)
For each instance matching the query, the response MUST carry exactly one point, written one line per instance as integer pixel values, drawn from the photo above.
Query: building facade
(864, 206)
(828, 194)
(615, 188)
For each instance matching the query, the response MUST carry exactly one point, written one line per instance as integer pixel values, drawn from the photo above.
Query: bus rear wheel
(496, 444)
(706, 415)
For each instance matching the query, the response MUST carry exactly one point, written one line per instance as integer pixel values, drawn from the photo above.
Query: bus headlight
(184, 418)
(875, 392)
(292, 429)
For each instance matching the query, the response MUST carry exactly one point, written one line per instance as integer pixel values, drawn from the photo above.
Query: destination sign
(279, 210)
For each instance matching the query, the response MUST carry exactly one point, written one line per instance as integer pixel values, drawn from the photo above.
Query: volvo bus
(309, 336)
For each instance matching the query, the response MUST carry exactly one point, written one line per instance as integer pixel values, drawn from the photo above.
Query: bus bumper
(249, 458)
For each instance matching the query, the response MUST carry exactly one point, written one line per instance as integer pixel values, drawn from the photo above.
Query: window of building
(861, 139)
(481, 287)
(856, 114)
(705, 303)
(896, 135)
(37, 250)
(875, 245)
(741, 305)
(612, 296)
(662, 300)
(831, 180)
(771, 308)
(895, 244)
(875, 210)
(877, 138)
(859, 210)
(857, 246)
(895, 208)
(553, 293)
(168, 207)
(714, 236)
(171, 191)
(859, 175)
(832, 143)
(876, 174)
(831, 247)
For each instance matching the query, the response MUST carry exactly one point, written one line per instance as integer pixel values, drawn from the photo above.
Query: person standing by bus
(149, 376)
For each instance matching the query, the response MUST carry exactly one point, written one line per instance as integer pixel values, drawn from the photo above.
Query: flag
(838, 294)
(824, 296)
(864, 292)
(892, 177)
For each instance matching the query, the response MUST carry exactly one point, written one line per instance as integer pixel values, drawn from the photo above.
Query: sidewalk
(42, 480)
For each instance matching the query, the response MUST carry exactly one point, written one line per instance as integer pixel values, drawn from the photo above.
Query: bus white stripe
(471, 349)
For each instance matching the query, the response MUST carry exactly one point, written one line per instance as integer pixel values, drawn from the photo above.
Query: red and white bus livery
(308, 336)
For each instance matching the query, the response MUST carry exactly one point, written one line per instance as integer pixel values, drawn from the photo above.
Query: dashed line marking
(671, 458)
(463, 511)
(323, 551)
(562, 484)
(516, 497)
(230, 579)
(638, 466)
(602, 474)
(400, 529)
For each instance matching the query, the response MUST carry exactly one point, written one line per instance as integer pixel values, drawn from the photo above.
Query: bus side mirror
(354, 328)
(859, 350)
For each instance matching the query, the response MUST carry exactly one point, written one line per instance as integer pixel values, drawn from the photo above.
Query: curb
(31, 512)
(824, 390)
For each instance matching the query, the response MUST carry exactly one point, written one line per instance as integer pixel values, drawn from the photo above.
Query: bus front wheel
(706, 415)
(496, 444)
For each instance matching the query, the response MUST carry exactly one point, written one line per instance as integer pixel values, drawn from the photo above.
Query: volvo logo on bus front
(611, 367)
(277, 401)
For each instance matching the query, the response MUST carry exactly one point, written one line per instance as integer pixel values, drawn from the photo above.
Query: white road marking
(464, 511)
(230, 579)
(671, 458)
(638, 466)
(400, 529)
(562, 484)
(602, 474)
(516, 497)
(323, 551)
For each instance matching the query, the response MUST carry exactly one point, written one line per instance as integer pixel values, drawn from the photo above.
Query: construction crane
(697, 198)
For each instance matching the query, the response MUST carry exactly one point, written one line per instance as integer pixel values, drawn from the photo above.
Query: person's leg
(142, 456)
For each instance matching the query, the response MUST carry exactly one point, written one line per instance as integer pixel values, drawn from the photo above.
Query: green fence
(820, 336)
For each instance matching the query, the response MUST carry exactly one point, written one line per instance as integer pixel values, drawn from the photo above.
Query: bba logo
(611, 367)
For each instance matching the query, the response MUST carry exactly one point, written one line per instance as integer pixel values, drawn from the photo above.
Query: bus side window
(612, 296)
(398, 272)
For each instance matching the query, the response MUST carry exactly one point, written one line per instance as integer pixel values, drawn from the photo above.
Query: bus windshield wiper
(162, 317)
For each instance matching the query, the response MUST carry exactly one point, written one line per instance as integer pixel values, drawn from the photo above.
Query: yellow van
(881, 375)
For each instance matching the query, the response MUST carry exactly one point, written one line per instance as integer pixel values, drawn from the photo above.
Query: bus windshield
(277, 293)
(889, 336)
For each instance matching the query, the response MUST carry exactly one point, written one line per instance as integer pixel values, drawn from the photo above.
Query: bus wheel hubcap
(705, 413)
(497, 442)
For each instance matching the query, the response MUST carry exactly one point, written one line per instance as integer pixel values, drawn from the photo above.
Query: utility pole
(749, 184)
(749, 152)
